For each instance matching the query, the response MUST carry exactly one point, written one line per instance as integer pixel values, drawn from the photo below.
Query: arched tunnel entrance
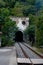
(18, 36)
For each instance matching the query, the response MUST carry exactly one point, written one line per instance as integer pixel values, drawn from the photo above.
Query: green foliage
(40, 12)
(2, 3)
(29, 9)
(30, 30)
(5, 11)
(9, 29)
(4, 41)
(31, 1)
(32, 21)
(3, 15)
(10, 43)
(7, 3)
(28, 1)
(17, 11)
(21, 8)
(39, 31)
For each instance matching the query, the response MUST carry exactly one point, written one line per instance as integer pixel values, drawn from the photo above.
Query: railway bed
(26, 56)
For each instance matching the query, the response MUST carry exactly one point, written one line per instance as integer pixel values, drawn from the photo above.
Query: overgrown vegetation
(9, 29)
(39, 31)
(31, 8)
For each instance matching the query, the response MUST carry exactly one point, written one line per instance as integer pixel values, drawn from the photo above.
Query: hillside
(21, 7)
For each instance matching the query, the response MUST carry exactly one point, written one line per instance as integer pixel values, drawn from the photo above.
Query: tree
(30, 31)
(17, 10)
(9, 29)
(2, 3)
(10, 3)
(32, 2)
(30, 9)
(39, 31)
(4, 15)
(32, 19)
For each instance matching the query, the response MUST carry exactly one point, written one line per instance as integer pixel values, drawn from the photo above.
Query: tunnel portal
(19, 36)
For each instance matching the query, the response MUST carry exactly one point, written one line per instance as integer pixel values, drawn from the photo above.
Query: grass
(39, 50)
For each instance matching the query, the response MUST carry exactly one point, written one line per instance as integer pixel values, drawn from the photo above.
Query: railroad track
(33, 50)
(26, 53)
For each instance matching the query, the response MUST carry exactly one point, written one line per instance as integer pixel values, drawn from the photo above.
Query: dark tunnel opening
(18, 36)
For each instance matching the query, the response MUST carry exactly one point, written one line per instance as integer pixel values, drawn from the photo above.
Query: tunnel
(19, 36)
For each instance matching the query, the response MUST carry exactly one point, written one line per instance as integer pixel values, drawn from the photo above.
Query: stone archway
(18, 36)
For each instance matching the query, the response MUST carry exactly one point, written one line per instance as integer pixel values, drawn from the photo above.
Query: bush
(4, 41)
(39, 31)
(11, 43)
(7, 42)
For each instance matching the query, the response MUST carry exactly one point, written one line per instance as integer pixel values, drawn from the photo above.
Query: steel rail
(25, 54)
(33, 51)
